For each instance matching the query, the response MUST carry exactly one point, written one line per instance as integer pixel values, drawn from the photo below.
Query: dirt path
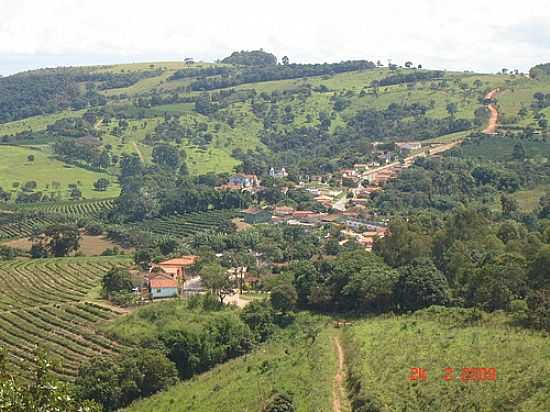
(338, 391)
(493, 118)
(136, 148)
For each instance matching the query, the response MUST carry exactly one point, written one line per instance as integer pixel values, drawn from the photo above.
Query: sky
(457, 35)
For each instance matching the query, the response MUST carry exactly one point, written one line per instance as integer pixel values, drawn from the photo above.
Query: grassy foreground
(290, 363)
(381, 352)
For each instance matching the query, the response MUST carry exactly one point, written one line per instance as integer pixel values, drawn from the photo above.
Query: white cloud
(465, 34)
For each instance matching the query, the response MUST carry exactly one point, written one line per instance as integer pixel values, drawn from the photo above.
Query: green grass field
(289, 363)
(44, 170)
(382, 350)
(36, 123)
(529, 199)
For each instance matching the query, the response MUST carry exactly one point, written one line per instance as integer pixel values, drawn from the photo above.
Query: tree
(408, 64)
(284, 297)
(116, 280)
(285, 60)
(258, 315)
(420, 285)
(30, 186)
(116, 382)
(166, 156)
(75, 193)
(40, 392)
(539, 269)
(215, 278)
(452, 109)
(60, 240)
(101, 184)
(518, 152)
(30, 158)
(279, 402)
(509, 205)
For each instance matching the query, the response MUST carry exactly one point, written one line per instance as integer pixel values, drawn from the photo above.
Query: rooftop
(181, 261)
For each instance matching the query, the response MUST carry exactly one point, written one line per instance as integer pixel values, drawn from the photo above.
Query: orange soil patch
(492, 125)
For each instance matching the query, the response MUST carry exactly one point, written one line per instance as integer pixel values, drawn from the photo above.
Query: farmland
(183, 226)
(381, 352)
(48, 304)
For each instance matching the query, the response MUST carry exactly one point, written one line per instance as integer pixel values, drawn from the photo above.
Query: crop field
(382, 351)
(14, 226)
(188, 224)
(290, 363)
(45, 170)
(85, 208)
(47, 304)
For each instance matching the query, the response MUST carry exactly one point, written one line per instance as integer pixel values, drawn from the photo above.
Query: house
(163, 286)
(283, 210)
(278, 173)
(244, 181)
(408, 147)
(253, 216)
(176, 267)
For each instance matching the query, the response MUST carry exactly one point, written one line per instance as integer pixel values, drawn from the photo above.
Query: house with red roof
(162, 285)
(176, 267)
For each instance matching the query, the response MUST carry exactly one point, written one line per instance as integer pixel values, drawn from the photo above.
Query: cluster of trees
(251, 58)
(164, 189)
(277, 72)
(30, 94)
(72, 127)
(93, 156)
(408, 77)
(57, 240)
(490, 260)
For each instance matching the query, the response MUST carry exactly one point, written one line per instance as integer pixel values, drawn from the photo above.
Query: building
(163, 286)
(278, 173)
(244, 181)
(176, 267)
(254, 216)
(408, 147)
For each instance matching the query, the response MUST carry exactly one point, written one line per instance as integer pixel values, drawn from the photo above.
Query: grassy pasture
(44, 170)
(382, 350)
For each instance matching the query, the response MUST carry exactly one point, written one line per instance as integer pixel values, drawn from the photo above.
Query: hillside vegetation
(382, 351)
(292, 363)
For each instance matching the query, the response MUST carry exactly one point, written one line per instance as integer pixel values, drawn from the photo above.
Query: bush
(94, 229)
(279, 402)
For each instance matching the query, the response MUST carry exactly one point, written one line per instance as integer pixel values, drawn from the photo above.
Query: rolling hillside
(132, 104)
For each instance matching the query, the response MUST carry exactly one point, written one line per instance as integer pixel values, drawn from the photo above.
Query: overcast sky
(461, 34)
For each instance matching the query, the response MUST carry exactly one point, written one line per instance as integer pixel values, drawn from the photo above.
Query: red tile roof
(181, 261)
(159, 283)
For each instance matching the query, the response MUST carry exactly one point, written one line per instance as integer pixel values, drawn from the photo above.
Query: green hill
(381, 352)
(290, 364)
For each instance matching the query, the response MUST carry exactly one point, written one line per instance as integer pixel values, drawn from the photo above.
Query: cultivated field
(49, 304)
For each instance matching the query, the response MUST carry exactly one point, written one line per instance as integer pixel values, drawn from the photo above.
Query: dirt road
(493, 118)
(136, 148)
(338, 391)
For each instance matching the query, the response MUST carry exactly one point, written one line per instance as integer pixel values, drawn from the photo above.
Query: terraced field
(188, 224)
(47, 304)
(18, 226)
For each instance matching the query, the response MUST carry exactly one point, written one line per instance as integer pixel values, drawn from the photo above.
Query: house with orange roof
(176, 267)
(163, 285)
